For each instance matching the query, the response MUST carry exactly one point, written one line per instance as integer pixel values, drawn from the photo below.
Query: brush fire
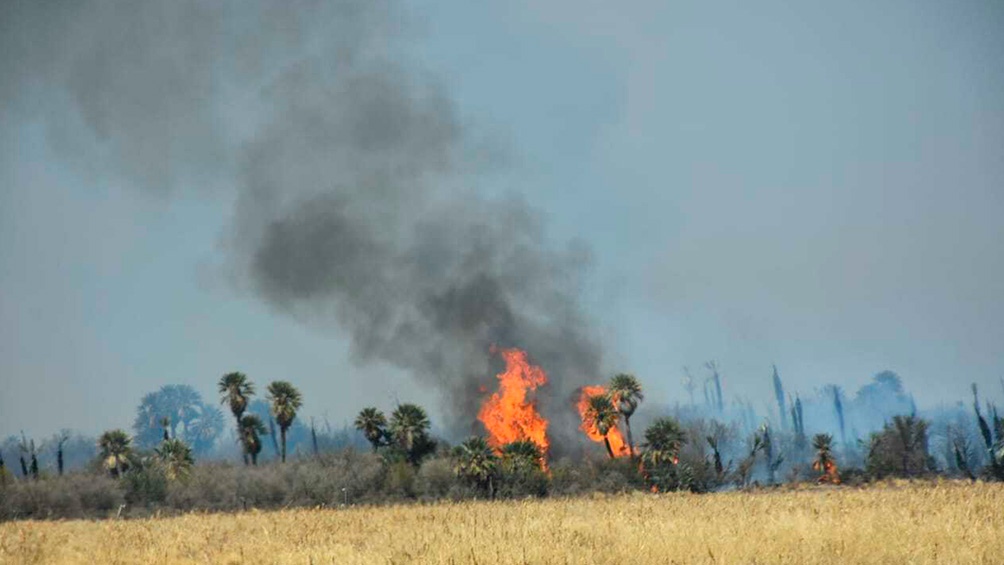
(617, 446)
(510, 414)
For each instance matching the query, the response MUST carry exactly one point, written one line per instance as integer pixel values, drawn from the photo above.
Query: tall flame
(510, 414)
(617, 442)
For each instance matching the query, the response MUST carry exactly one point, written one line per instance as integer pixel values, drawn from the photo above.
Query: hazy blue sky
(818, 186)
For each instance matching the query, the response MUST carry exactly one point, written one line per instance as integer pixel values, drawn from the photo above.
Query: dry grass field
(945, 522)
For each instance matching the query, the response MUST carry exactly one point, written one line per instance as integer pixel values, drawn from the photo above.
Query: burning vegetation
(510, 415)
(686, 448)
(598, 411)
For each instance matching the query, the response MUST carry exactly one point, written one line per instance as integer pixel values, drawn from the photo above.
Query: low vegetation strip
(893, 522)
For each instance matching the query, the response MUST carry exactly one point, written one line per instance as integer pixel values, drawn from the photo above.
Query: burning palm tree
(626, 392)
(610, 435)
(601, 415)
(825, 464)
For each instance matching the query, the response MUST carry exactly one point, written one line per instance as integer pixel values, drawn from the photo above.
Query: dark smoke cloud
(351, 166)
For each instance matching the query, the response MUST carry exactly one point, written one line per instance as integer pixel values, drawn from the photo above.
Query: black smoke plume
(354, 173)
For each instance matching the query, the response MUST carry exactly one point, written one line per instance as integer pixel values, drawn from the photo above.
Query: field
(943, 522)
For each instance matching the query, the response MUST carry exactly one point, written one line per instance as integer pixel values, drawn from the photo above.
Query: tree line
(406, 461)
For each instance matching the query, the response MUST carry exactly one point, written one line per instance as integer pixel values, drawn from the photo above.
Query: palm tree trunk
(627, 424)
(240, 439)
(254, 459)
(282, 436)
(606, 442)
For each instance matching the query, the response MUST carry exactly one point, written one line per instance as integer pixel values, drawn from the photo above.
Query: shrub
(900, 449)
(399, 482)
(146, 486)
(436, 480)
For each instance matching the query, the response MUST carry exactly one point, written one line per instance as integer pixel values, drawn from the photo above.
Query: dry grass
(944, 522)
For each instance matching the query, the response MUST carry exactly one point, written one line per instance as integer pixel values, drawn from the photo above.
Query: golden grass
(943, 522)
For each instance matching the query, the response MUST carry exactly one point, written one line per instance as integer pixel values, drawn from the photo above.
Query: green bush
(145, 487)
(900, 449)
(436, 480)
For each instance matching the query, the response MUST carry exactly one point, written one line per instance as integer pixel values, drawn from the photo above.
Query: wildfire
(509, 415)
(618, 444)
(829, 472)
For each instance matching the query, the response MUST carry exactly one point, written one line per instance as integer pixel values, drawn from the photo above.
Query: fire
(617, 442)
(829, 471)
(509, 415)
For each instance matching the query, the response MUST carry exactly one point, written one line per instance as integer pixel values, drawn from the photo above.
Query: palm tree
(626, 392)
(372, 423)
(601, 415)
(61, 439)
(522, 454)
(663, 441)
(201, 432)
(476, 462)
(236, 390)
(286, 400)
(180, 403)
(176, 457)
(409, 427)
(251, 429)
(824, 462)
(115, 447)
(165, 425)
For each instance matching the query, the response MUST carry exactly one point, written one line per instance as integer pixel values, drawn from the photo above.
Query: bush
(521, 481)
(99, 496)
(568, 478)
(399, 482)
(900, 449)
(436, 480)
(146, 486)
(74, 496)
(208, 487)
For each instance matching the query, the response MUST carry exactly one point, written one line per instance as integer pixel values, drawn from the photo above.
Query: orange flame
(508, 414)
(617, 442)
(829, 471)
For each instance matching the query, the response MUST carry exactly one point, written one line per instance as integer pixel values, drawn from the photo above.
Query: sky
(818, 187)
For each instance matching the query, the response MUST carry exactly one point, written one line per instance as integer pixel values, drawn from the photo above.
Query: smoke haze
(389, 188)
(353, 205)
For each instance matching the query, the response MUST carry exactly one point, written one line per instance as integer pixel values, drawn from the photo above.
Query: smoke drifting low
(351, 165)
